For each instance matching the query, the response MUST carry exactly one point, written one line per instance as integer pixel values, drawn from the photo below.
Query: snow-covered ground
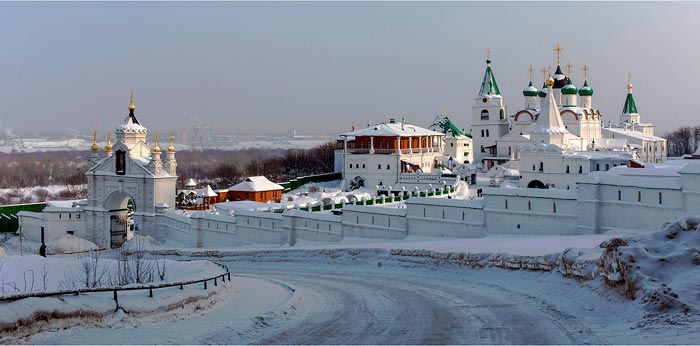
(635, 288)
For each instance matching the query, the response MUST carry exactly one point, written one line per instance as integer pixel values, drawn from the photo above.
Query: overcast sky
(316, 67)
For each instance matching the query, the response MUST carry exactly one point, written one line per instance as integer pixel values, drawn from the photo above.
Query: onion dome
(530, 90)
(108, 147)
(569, 88)
(171, 148)
(585, 90)
(559, 79)
(94, 146)
(156, 148)
(550, 82)
(543, 91)
(131, 124)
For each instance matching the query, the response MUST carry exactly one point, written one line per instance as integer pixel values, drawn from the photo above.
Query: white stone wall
(304, 225)
(374, 222)
(445, 217)
(56, 223)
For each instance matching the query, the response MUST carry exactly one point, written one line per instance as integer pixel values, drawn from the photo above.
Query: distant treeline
(684, 140)
(220, 168)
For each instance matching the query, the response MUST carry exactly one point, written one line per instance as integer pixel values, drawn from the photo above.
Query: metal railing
(150, 288)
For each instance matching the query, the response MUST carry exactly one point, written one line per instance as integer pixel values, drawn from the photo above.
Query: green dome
(530, 90)
(543, 91)
(569, 88)
(585, 90)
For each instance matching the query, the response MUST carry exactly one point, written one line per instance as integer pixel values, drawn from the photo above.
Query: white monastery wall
(437, 217)
(312, 226)
(374, 222)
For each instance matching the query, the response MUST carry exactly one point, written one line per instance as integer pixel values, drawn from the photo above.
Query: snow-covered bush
(660, 270)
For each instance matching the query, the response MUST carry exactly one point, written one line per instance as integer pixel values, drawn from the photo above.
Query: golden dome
(171, 148)
(549, 81)
(131, 103)
(629, 86)
(94, 146)
(156, 148)
(108, 147)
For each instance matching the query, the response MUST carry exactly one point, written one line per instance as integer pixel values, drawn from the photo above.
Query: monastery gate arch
(120, 206)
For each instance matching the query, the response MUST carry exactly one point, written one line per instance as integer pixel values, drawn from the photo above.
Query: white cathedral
(558, 136)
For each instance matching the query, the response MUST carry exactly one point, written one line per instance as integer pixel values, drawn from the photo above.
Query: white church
(129, 183)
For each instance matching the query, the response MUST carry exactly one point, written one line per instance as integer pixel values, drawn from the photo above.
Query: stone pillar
(371, 145)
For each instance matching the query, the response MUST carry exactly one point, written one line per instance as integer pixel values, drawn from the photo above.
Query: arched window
(502, 114)
(487, 132)
(388, 166)
(484, 115)
(482, 133)
(379, 166)
(541, 166)
(580, 169)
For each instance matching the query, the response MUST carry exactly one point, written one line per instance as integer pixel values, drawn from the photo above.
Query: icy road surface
(323, 303)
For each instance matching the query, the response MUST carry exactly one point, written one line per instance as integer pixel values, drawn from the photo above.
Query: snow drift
(68, 243)
(660, 270)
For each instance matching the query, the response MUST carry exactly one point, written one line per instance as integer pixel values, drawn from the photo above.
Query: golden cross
(171, 138)
(549, 70)
(94, 136)
(109, 137)
(530, 69)
(568, 68)
(558, 51)
(488, 54)
(629, 77)
(445, 111)
(585, 72)
(156, 139)
(544, 73)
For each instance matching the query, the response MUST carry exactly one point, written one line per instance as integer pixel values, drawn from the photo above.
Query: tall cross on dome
(488, 54)
(568, 68)
(585, 72)
(558, 50)
(530, 69)
(544, 73)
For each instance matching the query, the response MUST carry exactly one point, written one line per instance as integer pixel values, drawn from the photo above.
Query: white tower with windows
(489, 120)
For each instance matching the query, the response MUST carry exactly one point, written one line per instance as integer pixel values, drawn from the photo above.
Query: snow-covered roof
(631, 133)
(549, 121)
(242, 205)
(393, 129)
(190, 183)
(254, 184)
(130, 125)
(534, 193)
(612, 143)
(206, 192)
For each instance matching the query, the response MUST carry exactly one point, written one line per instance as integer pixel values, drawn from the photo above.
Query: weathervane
(558, 50)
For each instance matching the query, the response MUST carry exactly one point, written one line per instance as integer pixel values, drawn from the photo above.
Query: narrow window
(607, 166)
(529, 205)
(541, 166)
(363, 165)
(502, 114)
(660, 198)
(487, 133)
(554, 207)
(597, 166)
(619, 195)
(580, 169)
(388, 166)
(639, 196)
(567, 169)
(482, 133)
(423, 212)
(379, 166)
(506, 204)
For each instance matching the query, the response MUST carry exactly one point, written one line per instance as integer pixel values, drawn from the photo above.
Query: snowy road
(352, 304)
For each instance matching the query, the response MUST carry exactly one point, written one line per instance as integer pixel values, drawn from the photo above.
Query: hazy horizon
(317, 67)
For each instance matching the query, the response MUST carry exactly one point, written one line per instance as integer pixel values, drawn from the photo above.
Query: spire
(488, 85)
(171, 148)
(559, 78)
(94, 146)
(630, 107)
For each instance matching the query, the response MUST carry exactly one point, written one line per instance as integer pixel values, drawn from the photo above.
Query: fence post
(223, 278)
(116, 301)
(205, 284)
(215, 282)
(182, 288)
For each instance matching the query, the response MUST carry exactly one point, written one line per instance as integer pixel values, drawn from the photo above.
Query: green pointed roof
(585, 89)
(530, 90)
(569, 88)
(630, 107)
(489, 86)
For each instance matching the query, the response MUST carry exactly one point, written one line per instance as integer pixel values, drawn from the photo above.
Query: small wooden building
(258, 189)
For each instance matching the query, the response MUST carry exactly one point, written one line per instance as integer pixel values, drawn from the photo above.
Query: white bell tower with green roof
(489, 120)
